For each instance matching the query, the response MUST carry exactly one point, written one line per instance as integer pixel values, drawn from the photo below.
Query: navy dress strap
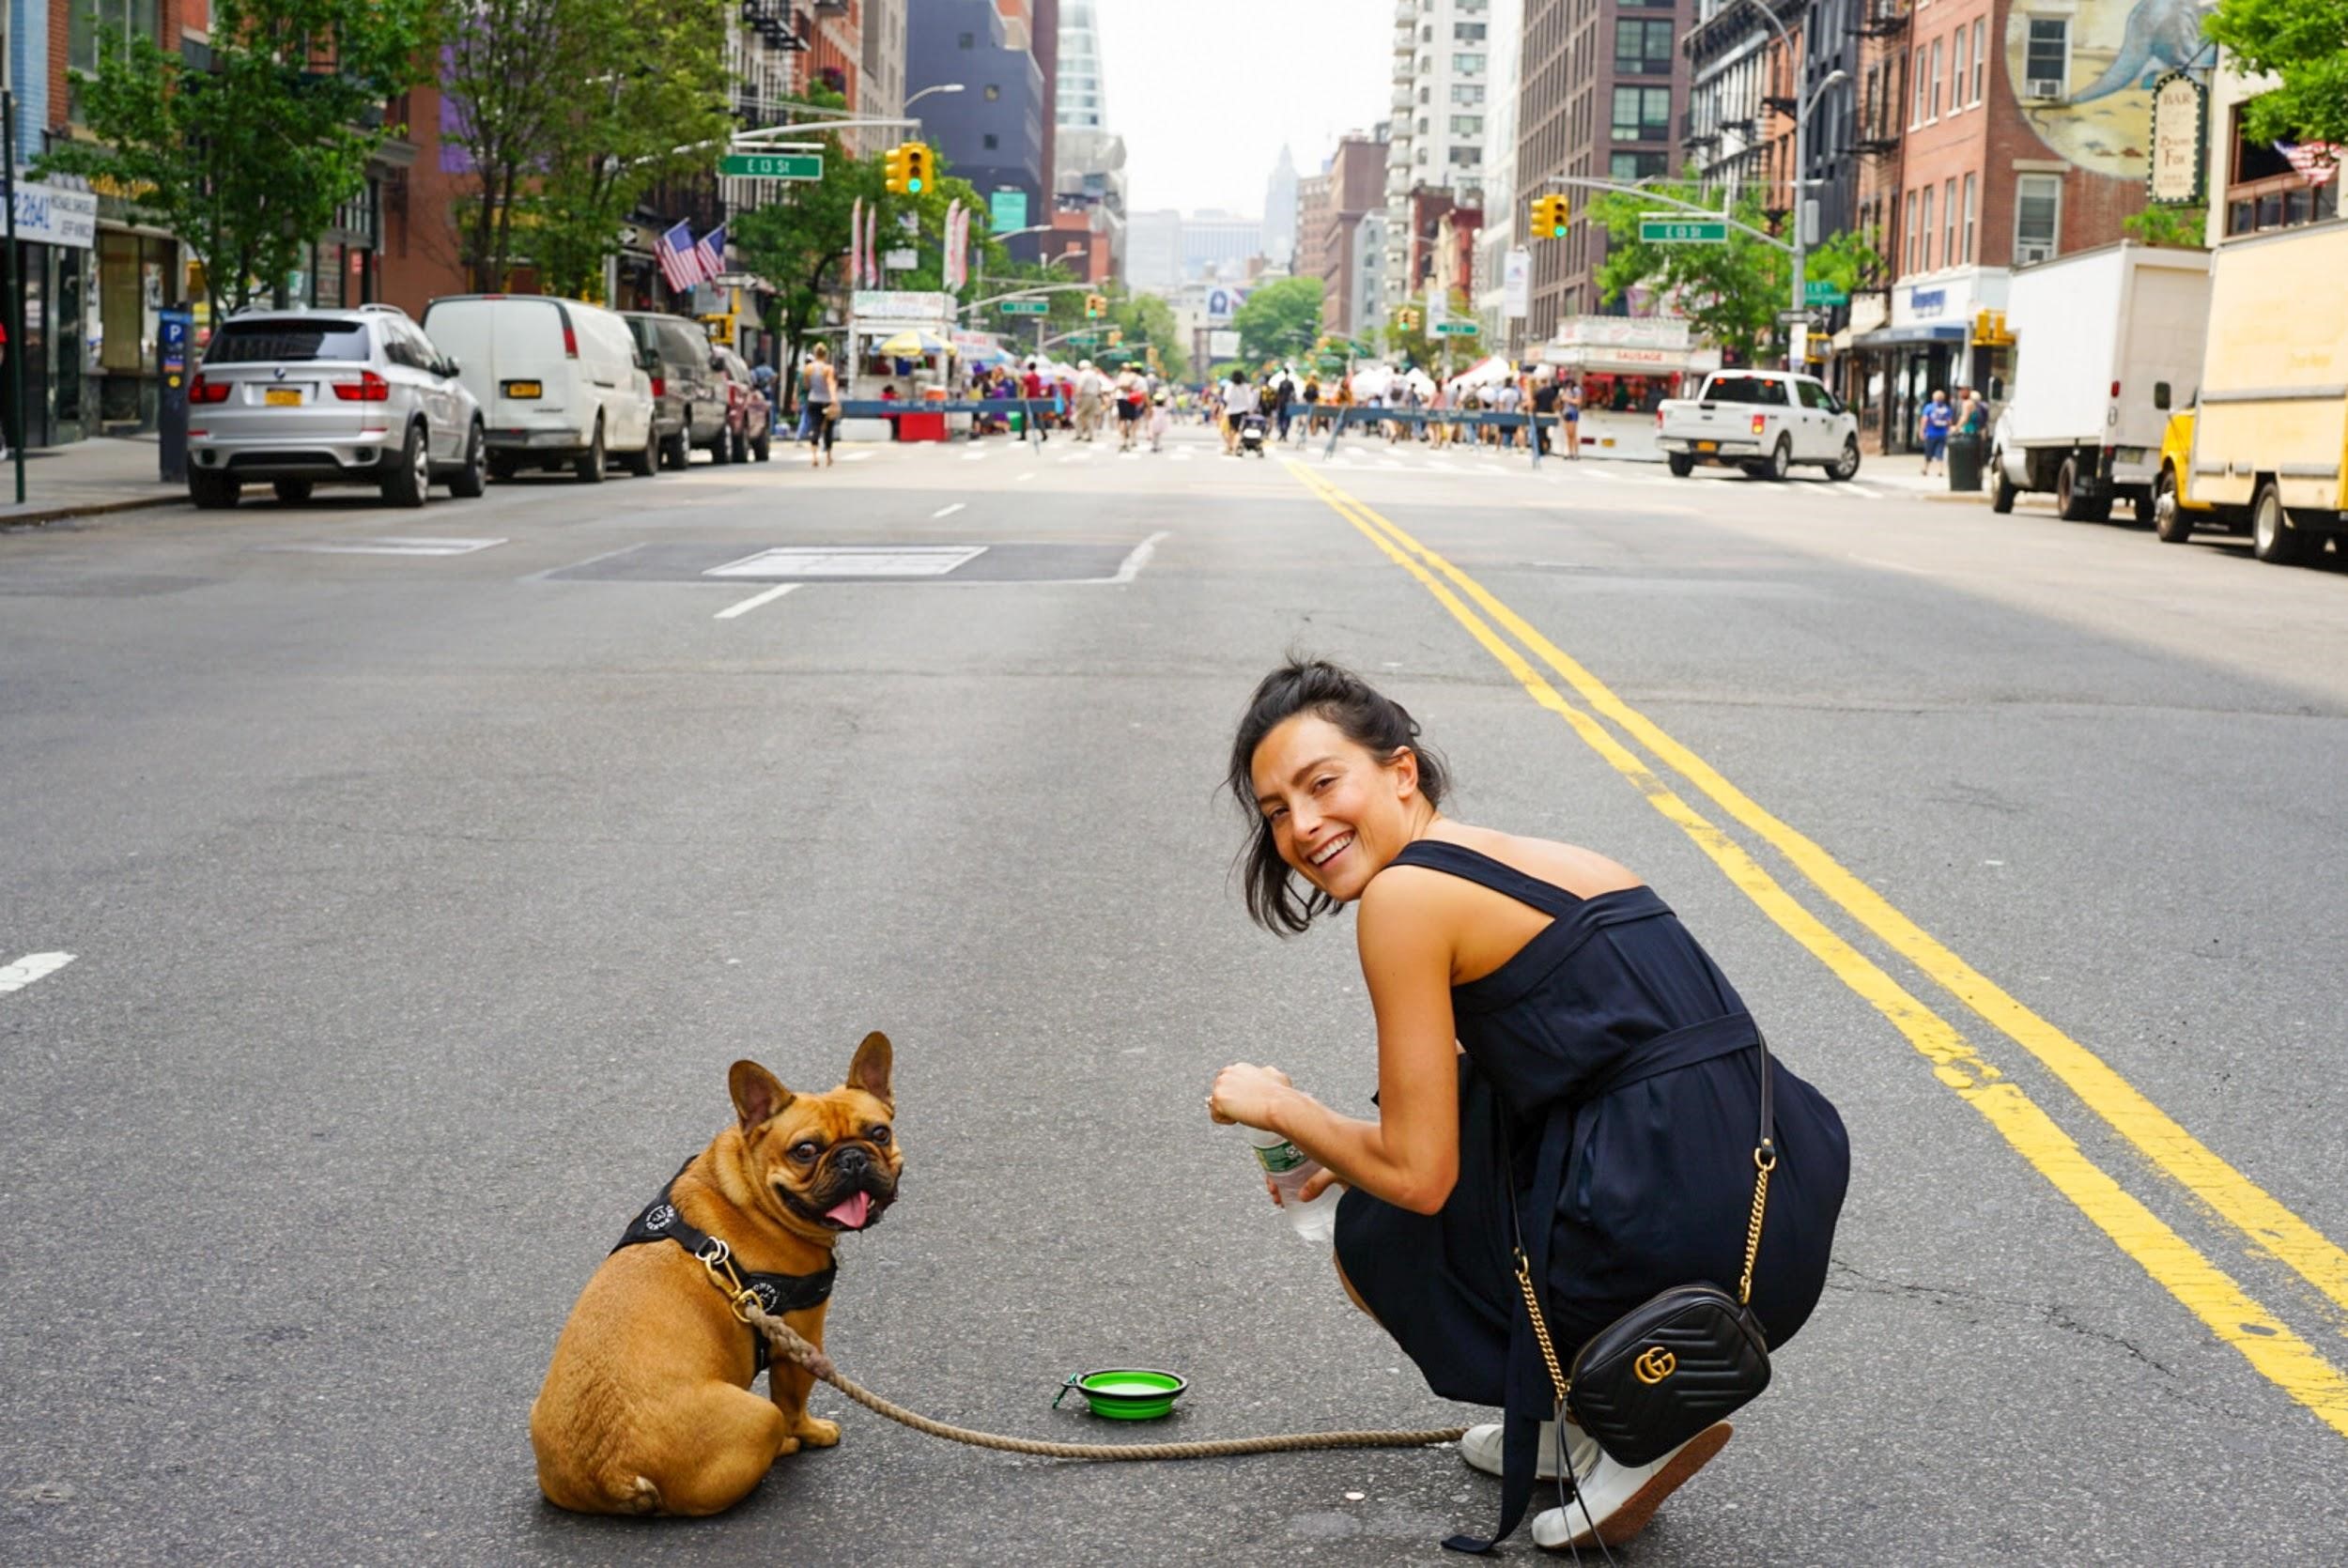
(1473, 865)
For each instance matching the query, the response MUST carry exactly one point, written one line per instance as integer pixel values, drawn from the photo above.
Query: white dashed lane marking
(31, 967)
(754, 601)
(947, 511)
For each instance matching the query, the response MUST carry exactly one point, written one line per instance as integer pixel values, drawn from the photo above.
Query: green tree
(1417, 344)
(1729, 292)
(1279, 320)
(1149, 319)
(2306, 43)
(247, 158)
(801, 244)
(2187, 228)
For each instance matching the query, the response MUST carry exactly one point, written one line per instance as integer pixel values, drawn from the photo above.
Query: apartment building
(1442, 72)
(1602, 89)
(991, 132)
(1352, 241)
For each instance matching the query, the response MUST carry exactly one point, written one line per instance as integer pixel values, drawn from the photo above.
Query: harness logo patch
(1653, 1364)
(765, 1293)
(660, 1216)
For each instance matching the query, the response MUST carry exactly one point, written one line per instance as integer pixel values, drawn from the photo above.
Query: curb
(86, 509)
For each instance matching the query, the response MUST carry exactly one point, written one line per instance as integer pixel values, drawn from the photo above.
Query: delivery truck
(2105, 343)
(2263, 446)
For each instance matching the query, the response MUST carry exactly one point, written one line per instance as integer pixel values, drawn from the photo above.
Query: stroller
(1251, 435)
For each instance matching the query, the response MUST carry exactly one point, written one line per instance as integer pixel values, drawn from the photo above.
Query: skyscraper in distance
(1279, 211)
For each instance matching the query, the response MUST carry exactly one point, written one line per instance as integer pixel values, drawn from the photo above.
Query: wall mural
(2101, 118)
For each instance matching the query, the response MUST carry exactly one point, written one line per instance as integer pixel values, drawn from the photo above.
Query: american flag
(2316, 162)
(677, 257)
(709, 257)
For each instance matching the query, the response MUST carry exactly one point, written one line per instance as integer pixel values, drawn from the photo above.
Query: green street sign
(1683, 231)
(772, 165)
(1456, 328)
(1816, 293)
(1026, 307)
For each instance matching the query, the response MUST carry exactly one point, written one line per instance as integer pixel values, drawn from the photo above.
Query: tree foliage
(1279, 320)
(247, 158)
(2306, 43)
(2187, 228)
(1729, 292)
(569, 111)
(1417, 344)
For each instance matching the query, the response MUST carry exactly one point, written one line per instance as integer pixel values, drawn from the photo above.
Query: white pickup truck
(1763, 422)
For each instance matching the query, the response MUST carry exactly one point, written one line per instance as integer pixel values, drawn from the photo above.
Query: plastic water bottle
(1290, 1169)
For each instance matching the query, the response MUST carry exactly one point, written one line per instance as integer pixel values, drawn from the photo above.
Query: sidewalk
(1903, 471)
(104, 473)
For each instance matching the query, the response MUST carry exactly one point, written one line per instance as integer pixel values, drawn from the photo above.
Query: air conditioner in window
(2042, 87)
(2029, 250)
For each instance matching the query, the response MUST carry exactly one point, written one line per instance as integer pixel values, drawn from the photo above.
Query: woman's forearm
(1358, 1152)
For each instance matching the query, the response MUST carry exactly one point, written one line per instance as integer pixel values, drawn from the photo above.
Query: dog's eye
(804, 1153)
(878, 1135)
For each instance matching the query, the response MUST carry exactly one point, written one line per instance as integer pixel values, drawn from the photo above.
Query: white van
(560, 383)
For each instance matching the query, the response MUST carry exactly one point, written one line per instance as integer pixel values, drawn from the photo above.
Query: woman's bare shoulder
(1583, 872)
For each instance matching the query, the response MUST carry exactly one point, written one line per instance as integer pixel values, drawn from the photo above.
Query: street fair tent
(913, 343)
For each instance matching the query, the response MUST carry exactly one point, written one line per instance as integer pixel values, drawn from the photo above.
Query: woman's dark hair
(1365, 716)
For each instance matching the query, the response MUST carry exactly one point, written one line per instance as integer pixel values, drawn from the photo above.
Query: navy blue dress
(1615, 1063)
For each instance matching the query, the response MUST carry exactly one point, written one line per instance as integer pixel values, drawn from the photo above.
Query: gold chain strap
(1540, 1326)
(718, 1258)
(1765, 1160)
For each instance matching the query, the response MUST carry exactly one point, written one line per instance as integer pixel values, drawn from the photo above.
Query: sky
(1205, 91)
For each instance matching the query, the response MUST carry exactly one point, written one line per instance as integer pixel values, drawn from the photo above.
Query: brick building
(1357, 190)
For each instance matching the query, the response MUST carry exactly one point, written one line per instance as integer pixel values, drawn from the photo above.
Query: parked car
(563, 384)
(1762, 420)
(2104, 340)
(298, 398)
(691, 396)
(748, 416)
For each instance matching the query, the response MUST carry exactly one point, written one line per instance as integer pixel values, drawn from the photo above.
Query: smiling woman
(1569, 1089)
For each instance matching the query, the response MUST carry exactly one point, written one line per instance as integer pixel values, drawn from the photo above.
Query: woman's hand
(1244, 1093)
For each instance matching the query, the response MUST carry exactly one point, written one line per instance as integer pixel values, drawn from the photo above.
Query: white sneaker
(1621, 1499)
(1480, 1448)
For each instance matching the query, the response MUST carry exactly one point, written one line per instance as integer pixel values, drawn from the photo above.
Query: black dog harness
(777, 1293)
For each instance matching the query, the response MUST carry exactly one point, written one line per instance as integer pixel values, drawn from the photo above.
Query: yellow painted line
(2223, 1306)
(2274, 1230)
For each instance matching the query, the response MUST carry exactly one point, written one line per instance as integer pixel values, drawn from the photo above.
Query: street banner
(871, 248)
(1516, 284)
(1222, 343)
(856, 243)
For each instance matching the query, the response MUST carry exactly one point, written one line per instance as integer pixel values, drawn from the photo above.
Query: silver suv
(306, 397)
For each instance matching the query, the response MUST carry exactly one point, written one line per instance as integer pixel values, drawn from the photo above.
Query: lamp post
(940, 88)
(1801, 180)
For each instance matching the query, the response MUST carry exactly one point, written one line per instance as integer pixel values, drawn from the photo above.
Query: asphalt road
(418, 901)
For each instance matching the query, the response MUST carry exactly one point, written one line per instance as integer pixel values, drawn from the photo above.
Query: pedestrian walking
(1932, 430)
(1283, 403)
(1569, 417)
(1567, 1085)
(1545, 393)
(1132, 401)
(1507, 398)
(819, 396)
(1090, 387)
(1239, 401)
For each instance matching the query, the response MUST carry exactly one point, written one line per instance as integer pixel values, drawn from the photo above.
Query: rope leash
(790, 1346)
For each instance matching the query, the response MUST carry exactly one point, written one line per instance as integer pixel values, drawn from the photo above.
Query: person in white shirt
(1239, 401)
(1089, 390)
(1505, 398)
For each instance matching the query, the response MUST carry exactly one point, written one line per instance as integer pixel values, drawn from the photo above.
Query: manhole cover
(804, 561)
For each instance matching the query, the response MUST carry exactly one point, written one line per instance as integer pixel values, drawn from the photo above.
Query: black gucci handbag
(1672, 1366)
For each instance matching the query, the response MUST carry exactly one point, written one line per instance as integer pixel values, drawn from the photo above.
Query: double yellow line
(2274, 1231)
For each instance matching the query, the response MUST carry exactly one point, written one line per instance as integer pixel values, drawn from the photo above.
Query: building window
(1637, 165)
(967, 40)
(1935, 80)
(1972, 211)
(1916, 70)
(1980, 60)
(1467, 32)
(1910, 229)
(993, 92)
(1957, 71)
(1470, 64)
(2037, 216)
(990, 142)
(1467, 125)
(139, 19)
(1643, 113)
(2047, 58)
(1642, 47)
(1467, 92)
(1924, 228)
(1948, 222)
(1466, 157)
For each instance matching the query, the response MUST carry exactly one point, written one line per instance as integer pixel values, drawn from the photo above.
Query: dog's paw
(784, 1448)
(817, 1433)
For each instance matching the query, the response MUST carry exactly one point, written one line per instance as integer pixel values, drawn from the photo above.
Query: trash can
(1965, 463)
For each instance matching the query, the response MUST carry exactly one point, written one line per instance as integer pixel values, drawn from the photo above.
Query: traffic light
(1117, 336)
(1550, 216)
(1095, 304)
(1407, 318)
(905, 168)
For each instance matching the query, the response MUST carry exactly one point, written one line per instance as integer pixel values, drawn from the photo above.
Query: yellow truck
(2265, 444)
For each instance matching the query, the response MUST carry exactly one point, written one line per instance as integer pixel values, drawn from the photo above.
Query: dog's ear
(758, 1094)
(869, 1071)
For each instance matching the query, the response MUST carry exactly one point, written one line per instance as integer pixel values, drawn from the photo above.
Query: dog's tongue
(851, 1210)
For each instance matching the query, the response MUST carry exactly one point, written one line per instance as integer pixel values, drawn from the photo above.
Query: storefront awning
(1891, 337)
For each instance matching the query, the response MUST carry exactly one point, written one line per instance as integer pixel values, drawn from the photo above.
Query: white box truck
(2105, 342)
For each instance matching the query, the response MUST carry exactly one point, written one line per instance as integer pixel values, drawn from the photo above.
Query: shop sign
(2180, 140)
(1952, 297)
(48, 216)
(1624, 332)
(901, 305)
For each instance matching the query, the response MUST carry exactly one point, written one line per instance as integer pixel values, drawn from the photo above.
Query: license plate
(1708, 446)
(523, 389)
(282, 397)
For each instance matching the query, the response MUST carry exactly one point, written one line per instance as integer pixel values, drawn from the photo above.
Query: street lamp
(1801, 163)
(941, 87)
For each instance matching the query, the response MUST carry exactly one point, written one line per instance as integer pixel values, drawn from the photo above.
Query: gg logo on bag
(1654, 1364)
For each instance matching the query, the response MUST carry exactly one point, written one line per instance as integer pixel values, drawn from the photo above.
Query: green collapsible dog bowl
(1127, 1394)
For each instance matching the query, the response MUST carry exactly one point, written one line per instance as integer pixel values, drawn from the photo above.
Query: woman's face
(1337, 813)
